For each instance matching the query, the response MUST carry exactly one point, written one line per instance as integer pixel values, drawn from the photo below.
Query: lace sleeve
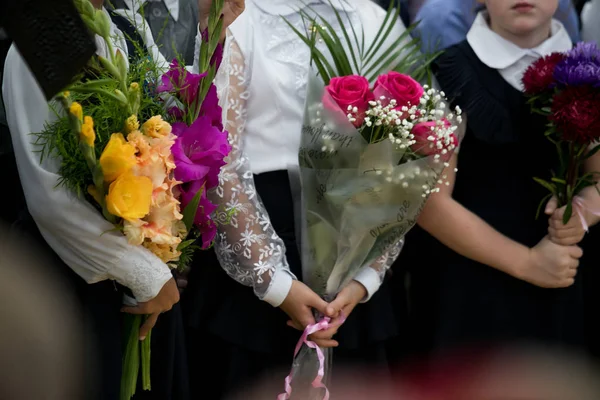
(246, 244)
(372, 276)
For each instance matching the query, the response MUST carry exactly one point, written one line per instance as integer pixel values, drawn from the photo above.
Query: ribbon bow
(322, 325)
(579, 206)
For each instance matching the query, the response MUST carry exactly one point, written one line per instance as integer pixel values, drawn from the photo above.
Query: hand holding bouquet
(566, 89)
(373, 147)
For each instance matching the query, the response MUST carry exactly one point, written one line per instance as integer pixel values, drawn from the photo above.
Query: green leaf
(359, 45)
(546, 184)
(390, 19)
(347, 37)
(185, 244)
(189, 212)
(386, 60)
(94, 84)
(593, 151)
(371, 64)
(542, 204)
(332, 42)
(568, 212)
(325, 69)
(558, 180)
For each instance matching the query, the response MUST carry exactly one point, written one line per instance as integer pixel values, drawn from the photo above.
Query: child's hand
(299, 305)
(341, 308)
(566, 235)
(551, 265)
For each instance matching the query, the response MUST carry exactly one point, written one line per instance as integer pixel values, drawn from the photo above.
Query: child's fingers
(551, 206)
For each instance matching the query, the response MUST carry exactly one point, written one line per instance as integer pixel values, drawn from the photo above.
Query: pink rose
(349, 91)
(402, 88)
(428, 143)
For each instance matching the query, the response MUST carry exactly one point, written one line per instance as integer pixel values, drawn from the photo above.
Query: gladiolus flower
(130, 196)
(117, 158)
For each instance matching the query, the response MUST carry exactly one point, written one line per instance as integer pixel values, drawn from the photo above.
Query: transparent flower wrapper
(358, 202)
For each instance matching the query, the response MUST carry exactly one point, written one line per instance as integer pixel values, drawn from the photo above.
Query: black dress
(456, 302)
(100, 309)
(235, 340)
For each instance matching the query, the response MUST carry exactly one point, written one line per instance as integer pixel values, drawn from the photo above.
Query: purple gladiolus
(211, 109)
(181, 81)
(199, 152)
(202, 221)
(217, 56)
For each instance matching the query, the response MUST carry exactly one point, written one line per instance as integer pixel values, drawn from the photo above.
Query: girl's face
(521, 17)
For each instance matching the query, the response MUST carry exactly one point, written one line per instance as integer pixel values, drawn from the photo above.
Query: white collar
(172, 6)
(498, 53)
(288, 7)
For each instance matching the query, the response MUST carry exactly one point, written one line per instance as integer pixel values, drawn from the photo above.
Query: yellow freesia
(129, 196)
(117, 158)
(87, 134)
(76, 111)
(155, 127)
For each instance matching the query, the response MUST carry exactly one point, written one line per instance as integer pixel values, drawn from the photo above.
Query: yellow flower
(155, 127)
(131, 124)
(129, 196)
(117, 158)
(66, 93)
(87, 131)
(76, 111)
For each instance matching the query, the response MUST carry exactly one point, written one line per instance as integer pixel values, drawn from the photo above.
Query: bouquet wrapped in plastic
(370, 156)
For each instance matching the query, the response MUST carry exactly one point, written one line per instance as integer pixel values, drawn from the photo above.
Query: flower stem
(131, 357)
(146, 347)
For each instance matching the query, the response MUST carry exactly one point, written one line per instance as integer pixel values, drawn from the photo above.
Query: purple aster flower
(199, 151)
(581, 67)
(585, 51)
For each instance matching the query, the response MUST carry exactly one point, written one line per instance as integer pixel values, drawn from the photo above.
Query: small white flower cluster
(385, 120)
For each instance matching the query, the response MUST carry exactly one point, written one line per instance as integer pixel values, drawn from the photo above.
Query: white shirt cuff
(370, 279)
(143, 273)
(280, 287)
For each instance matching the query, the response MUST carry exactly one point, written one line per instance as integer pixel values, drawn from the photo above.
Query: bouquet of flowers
(370, 155)
(566, 89)
(144, 148)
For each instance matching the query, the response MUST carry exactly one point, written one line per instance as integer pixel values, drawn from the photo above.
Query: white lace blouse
(268, 73)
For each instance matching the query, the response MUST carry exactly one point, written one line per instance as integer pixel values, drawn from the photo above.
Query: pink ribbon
(580, 208)
(322, 325)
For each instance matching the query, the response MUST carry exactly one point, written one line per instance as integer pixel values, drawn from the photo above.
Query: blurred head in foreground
(40, 340)
(518, 373)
